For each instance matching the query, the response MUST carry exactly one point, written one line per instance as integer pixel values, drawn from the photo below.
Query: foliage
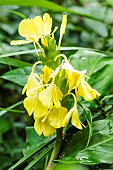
(88, 46)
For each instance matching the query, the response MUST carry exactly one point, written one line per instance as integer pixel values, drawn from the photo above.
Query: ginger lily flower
(33, 81)
(71, 74)
(51, 96)
(33, 105)
(43, 127)
(85, 90)
(34, 29)
(56, 116)
(73, 112)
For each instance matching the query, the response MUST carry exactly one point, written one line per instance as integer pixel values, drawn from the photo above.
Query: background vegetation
(88, 43)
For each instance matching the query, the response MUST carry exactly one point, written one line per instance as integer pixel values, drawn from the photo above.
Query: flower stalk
(56, 148)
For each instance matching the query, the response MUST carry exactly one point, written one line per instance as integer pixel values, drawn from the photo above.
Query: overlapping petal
(51, 96)
(56, 116)
(85, 90)
(43, 127)
(32, 83)
(73, 112)
(34, 29)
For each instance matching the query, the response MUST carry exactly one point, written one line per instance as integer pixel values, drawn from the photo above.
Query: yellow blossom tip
(63, 24)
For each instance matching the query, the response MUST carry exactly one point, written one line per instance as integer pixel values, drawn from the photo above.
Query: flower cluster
(46, 92)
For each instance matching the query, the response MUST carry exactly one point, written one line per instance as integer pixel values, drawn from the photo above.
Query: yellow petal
(67, 117)
(45, 97)
(51, 95)
(63, 25)
(32, 83)
(38, 127)
(19, 42)
(43, 127)
(62, 29)
(25, 88)
(56, 116)
(75, 119)
(30, 103)
(72, 79)
(46, 73)
(85, 90)
(47, 24)
(39, 24)
(40, 110)
(27, 29)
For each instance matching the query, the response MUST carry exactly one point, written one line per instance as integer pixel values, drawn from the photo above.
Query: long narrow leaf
(45, 151)
(14, 12)
(31, 152)
(48, 5)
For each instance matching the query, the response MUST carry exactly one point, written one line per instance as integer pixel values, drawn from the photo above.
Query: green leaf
(4, 125)
(49, 5)
(41, 155)
(14, 62)
(32, 137)
(36, 147)
(97, 26)
(61, 166)
(100, 148)
(14, 12)
(9, 54)
(18, 53)
(19, 75)
(99, 68)
(110, 2)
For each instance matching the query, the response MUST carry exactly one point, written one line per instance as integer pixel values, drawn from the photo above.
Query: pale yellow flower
(43, 127)
(56, 116)
(51, 96)
(85, 90)
(34, 29)
(73, 112)
(32, 83)
(72, 75)
(33, 105)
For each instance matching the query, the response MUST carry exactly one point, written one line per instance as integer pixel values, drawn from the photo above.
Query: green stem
(56, 149)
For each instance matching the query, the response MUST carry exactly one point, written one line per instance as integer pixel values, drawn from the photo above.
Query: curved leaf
(100, 148)
(19, 75)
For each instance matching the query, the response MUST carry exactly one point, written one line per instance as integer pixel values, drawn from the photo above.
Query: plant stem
(56, 149)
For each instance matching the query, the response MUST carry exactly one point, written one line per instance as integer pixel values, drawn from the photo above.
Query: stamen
(38, 62)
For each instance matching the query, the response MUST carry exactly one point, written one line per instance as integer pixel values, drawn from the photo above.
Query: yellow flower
(32, 83)
(85, 90)
(72, 75)
(51, 96)
(56, 116)
(34, 29)
(33, 105)
(43, 127)
(46, 74)
(73, 112)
